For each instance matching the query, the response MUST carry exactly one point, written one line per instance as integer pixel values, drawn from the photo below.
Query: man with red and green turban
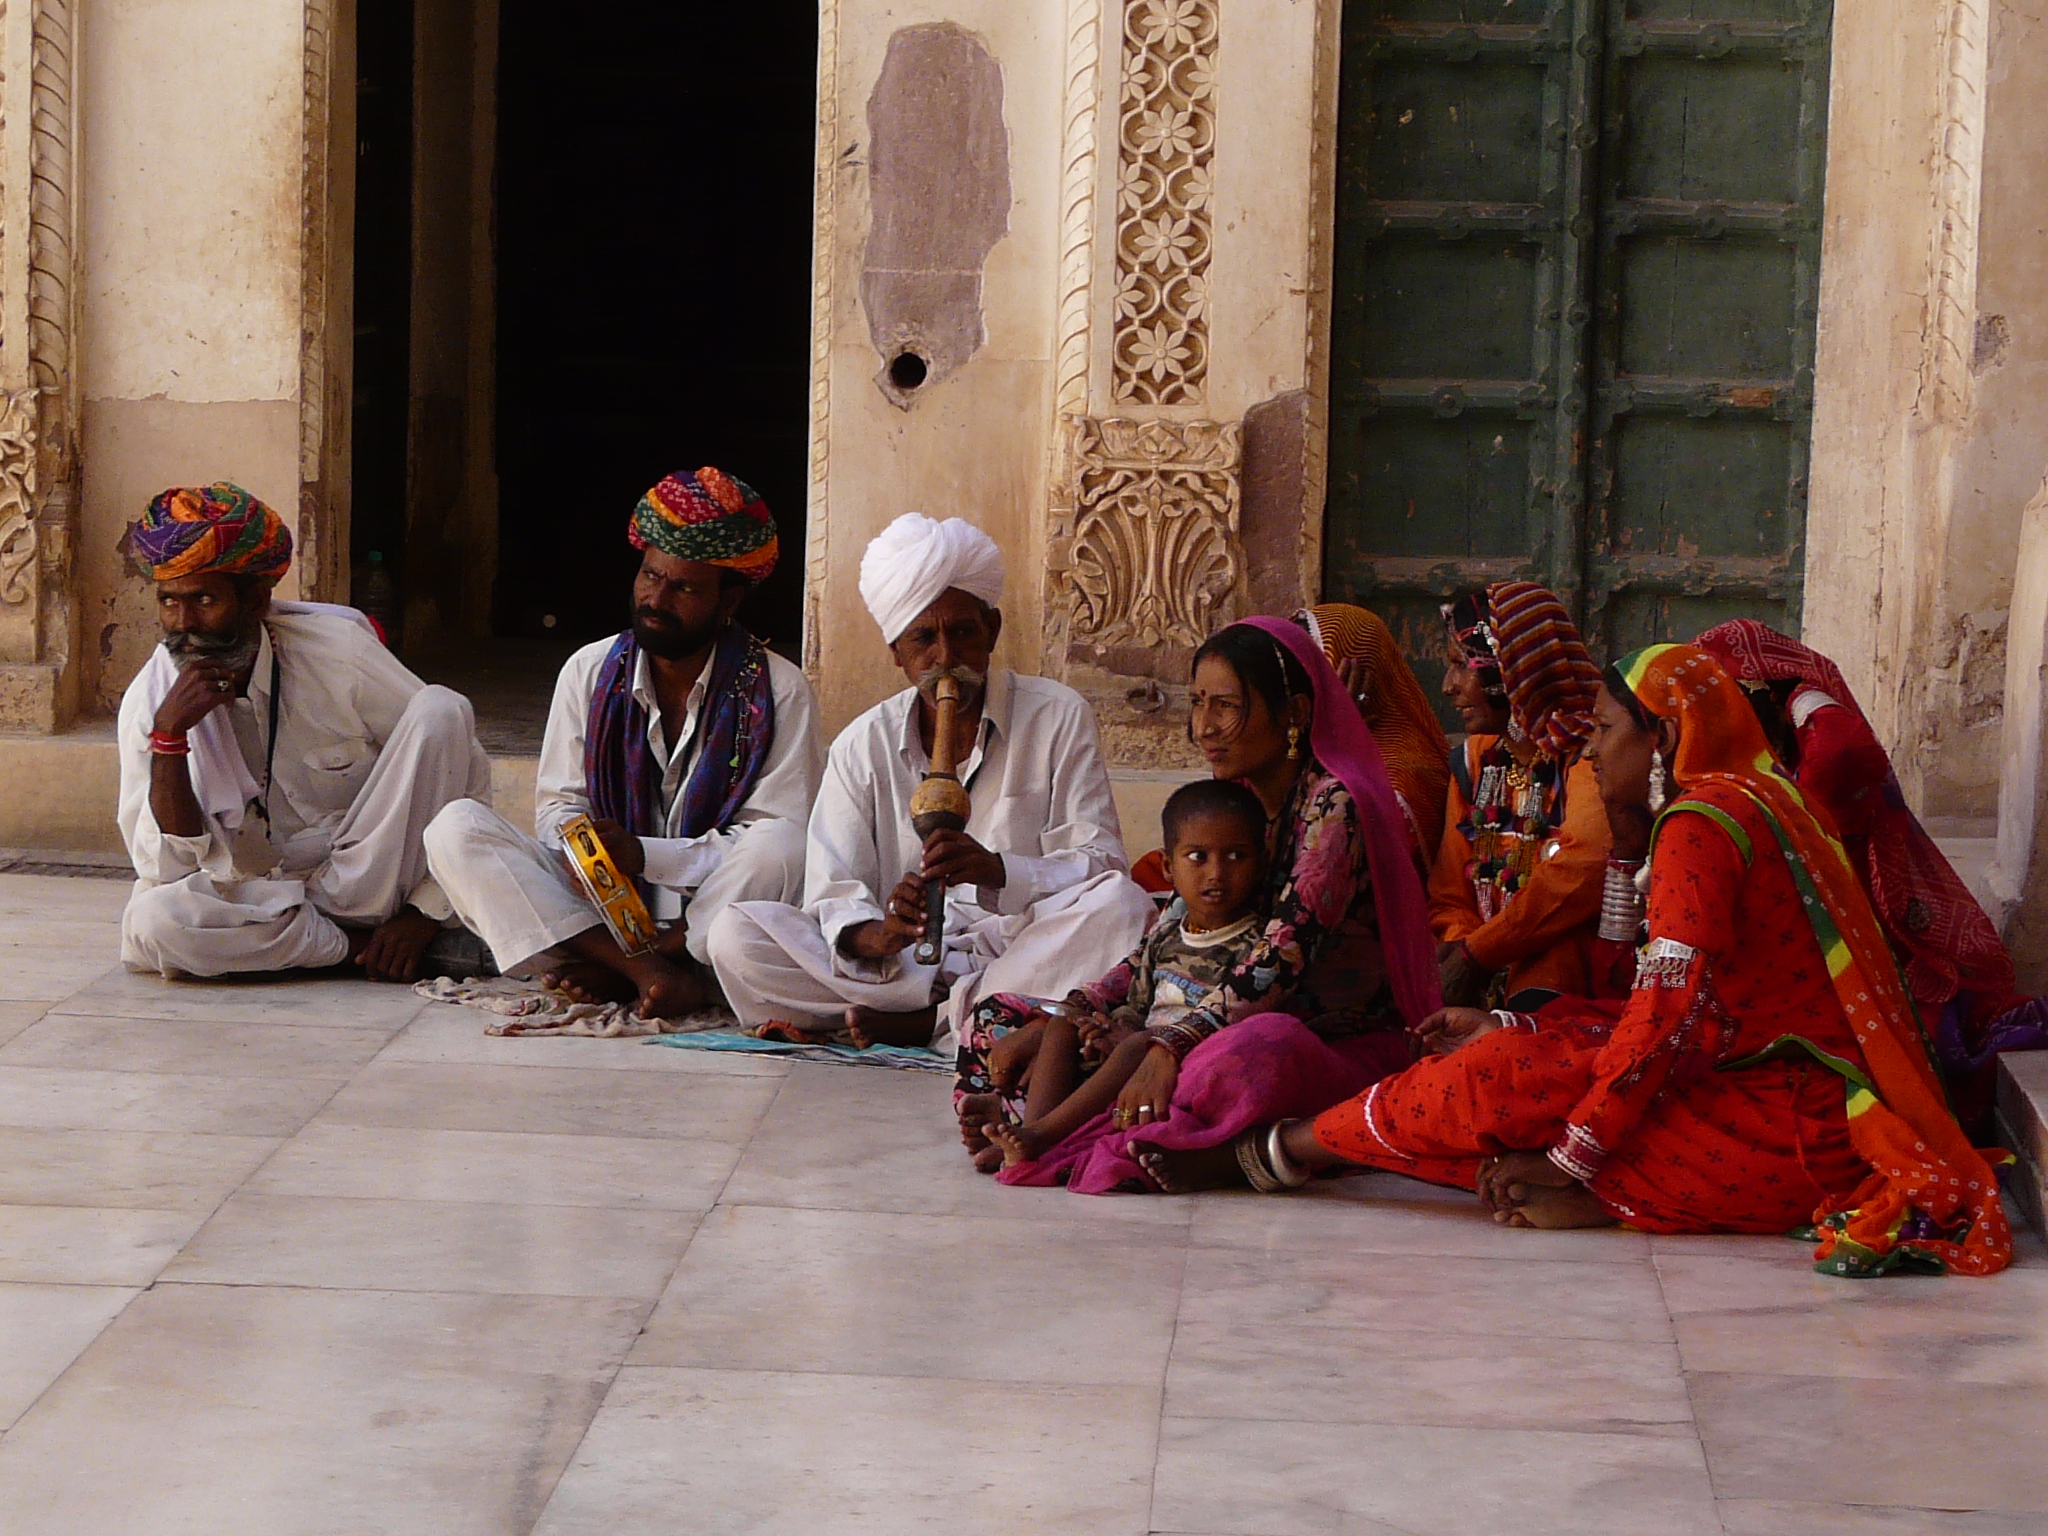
(278, 765)
(692, 747)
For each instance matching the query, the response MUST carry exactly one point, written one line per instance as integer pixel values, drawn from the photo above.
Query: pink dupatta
(1343, 744)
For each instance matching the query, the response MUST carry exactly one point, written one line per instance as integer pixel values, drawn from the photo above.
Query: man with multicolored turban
(1038, 895)
(278, 765)
(691, 746)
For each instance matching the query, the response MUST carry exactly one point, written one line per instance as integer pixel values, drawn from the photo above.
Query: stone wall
(190, 315)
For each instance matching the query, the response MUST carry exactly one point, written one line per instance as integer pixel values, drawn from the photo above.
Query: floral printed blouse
(1319, 956)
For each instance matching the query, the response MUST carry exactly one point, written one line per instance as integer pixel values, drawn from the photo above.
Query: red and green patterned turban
(197, 530)
(708, 517)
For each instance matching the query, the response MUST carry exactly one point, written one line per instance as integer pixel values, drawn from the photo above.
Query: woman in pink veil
(1323, 1005)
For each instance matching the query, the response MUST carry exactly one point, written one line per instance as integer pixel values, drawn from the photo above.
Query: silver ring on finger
(1144, 1109)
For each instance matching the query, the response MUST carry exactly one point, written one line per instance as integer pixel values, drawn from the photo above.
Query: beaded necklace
(1513, 809)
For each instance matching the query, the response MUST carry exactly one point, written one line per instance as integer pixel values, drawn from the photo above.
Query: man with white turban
(1038, 894)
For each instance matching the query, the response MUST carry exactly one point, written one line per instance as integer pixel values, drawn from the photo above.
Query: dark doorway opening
(383, 291)
(654, 250)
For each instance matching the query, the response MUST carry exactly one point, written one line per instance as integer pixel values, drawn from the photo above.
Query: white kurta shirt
(340, 697)
(786, 787)
(1040, 793)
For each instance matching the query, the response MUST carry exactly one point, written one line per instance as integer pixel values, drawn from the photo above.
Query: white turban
(914, 559)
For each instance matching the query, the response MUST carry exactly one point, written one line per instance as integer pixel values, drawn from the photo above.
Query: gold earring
(1294, 743)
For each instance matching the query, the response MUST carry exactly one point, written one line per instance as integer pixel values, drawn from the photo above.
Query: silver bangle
(1621, 904)
(1290, 1173)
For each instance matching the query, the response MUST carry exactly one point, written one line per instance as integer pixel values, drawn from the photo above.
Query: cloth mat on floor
(528, 1008)
(815, 1048)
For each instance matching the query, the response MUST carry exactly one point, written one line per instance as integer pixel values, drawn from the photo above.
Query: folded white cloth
(914, 559)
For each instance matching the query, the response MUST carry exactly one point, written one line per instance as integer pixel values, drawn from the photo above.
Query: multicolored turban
(710, 518)
(197, 530)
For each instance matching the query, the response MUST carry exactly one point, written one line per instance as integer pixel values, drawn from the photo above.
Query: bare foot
(393, 951)
(975, 1111)
(1553, 1209)
(586, 981)
(1182, 1173)
(988, 1159)
(870, 1026)
(1018, 1143)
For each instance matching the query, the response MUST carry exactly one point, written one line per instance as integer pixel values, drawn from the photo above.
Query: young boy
(1215, 835)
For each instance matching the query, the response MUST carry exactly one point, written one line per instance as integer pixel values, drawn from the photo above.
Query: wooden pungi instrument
(940, 805)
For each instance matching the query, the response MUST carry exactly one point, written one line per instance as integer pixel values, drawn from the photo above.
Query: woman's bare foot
(1552, 1209)
(1183, 1172)
(1018, 1143)
(988, 1159)
(975, 1111)
(870, 1026)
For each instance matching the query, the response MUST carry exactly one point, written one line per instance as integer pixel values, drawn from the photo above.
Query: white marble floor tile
(1232, 1287)
(15, 1017)
(497, 1167)
(770, 1289)
(1384, 1213)
(556, 1100)
(203, 1047)
(233, 1411)
(39, 973)
(143, 1170)
(42, 1330)
(1772, 1517)
(807, 1454)
(32, 896)
(1847, 1441)
(857, 1138)
(306, 1000)
(1339, 1375)
(435, 1245)
(449, 1036)
(1301, 1479)
(1779, 1317)
(63, 1099)
(83, 1245)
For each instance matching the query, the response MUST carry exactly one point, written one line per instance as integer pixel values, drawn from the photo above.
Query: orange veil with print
(1929, 1190)
(1417, 754)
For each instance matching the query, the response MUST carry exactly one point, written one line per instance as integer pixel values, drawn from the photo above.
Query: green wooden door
(1576, 266)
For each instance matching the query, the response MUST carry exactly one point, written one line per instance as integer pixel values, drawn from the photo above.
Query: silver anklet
(1290, 1173)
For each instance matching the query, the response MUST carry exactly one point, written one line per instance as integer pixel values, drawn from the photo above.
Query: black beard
(234, 652)
(671, 641)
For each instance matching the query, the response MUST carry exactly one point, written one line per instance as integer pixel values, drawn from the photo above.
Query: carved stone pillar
(38, 392)
(1145, 550)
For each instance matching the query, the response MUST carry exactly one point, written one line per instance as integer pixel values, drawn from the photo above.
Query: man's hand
(902, 924)
(958, 859)
(626, 850)
(1450, 1028)
(199, 690)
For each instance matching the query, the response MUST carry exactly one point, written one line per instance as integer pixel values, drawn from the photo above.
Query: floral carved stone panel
(1154, 558)
(1166, 140)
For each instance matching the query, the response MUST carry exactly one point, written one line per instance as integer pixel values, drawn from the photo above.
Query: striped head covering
(1930, 1191)
(197, 530)
(1396, 709)
(1550, 679)
(708, 517)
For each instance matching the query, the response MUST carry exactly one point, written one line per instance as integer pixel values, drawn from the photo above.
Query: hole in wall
(908, 371)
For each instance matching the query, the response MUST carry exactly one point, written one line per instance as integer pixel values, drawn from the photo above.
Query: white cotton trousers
(205, 925)
(516, 894)
(773, 962)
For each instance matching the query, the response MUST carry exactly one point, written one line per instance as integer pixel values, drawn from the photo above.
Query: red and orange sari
(1768, 1069)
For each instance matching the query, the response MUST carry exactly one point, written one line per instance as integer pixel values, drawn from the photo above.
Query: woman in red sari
(1956, 967)
(1767, 1071)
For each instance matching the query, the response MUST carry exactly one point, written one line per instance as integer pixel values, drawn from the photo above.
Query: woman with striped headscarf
(1767, 1070)
(1514, 898)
